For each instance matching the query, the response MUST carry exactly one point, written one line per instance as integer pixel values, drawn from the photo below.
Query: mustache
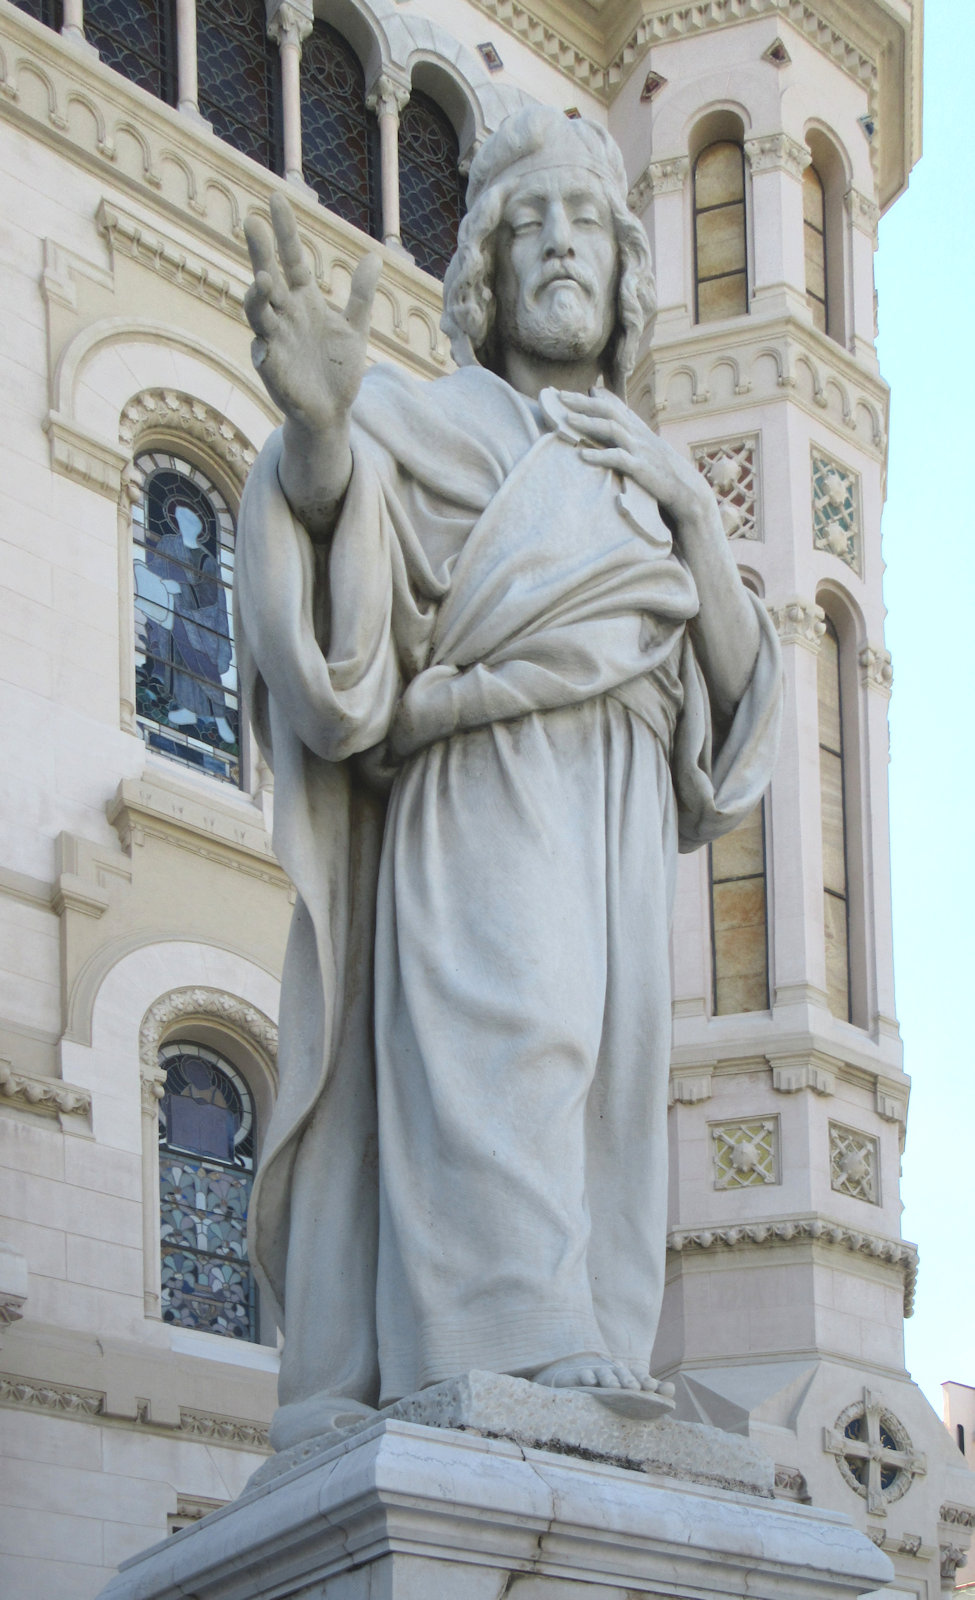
(558, 272)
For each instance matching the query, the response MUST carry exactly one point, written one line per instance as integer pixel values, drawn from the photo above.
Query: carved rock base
(407, 1512)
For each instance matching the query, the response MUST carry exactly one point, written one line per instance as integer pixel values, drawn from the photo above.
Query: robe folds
(490, 736)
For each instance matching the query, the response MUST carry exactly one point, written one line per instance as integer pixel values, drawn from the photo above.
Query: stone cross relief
(869, 1457)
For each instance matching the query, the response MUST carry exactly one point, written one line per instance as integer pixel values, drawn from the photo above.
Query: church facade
(144, 914)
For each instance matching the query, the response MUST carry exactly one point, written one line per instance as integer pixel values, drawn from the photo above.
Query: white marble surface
(405, 1512)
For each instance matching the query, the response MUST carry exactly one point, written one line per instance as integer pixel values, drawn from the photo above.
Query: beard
(559, 320)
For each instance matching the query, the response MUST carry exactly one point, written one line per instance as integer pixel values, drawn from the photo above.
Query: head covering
(539, 137)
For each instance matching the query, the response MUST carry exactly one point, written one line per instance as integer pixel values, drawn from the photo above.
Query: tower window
(431, 186)
(814, 239)
(138, 39)
(836, 913)
(206, 1161)
(239, 77)
(721, 274)
(739, 917)
(183, 562)
(339, 135)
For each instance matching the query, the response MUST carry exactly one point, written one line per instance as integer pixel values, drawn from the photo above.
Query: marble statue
(498, 653)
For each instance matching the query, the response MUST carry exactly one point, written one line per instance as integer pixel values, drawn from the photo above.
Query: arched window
(720, 267)
(183, 561)
(739, 918)
(50, 12)
(239, 77)
(138, 39)
(339, 136)
(836, 910)
(431, 186)
(814, 240)
(206, 1163)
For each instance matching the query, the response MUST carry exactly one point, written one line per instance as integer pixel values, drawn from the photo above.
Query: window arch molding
(239, 1032)
(831, 165)
(845, 621)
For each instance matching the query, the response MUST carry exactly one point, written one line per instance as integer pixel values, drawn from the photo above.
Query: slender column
(187, 86)
(387, 99)
(73, 21)
(290, 26)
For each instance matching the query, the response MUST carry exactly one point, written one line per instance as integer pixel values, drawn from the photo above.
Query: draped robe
(490, 736)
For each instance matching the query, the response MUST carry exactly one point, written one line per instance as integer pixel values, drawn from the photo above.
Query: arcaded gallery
(444, 862)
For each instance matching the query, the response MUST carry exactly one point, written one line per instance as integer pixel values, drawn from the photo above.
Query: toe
(608, 1378)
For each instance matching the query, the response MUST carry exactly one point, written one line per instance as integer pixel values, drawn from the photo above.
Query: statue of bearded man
(499, 655)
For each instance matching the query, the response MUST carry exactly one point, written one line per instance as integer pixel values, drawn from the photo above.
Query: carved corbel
(777, 152)
(799, 621)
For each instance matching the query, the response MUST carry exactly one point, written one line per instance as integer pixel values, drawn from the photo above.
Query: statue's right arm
(311, 360)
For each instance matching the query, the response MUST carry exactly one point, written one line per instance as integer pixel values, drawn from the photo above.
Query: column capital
(799, 621)
(777, 152)
(660, 177)
(289, 21)
(388, 95)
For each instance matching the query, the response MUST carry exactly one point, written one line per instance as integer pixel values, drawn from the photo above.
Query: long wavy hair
(469, 303)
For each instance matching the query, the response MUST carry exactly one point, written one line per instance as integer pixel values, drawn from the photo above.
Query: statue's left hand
(613, 436)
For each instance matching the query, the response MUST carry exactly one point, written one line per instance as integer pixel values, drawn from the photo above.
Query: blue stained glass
(339, 135)
(431, 187)
(239, 77)
(206, 1158)
(50, 12)
(186, 675)
(138, 39)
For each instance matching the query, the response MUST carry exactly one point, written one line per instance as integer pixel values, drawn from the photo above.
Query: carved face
(557, 266)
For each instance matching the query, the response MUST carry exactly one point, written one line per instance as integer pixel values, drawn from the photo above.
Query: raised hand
(311, 359)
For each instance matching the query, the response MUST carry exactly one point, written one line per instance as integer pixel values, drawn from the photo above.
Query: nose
(557, 236)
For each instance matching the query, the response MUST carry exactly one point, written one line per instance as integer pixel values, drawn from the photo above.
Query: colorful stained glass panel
(183, 564)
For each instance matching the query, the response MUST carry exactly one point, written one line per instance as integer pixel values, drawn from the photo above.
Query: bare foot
(587, 1371)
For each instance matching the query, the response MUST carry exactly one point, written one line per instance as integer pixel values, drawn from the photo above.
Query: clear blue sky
(927, 353)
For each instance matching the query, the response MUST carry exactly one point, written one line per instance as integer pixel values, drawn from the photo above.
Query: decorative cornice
(602, 76)
(213, 1004)
(777, 152)
(145, 808)
(236, 1431)
(85, 1404)
(955, 1516)
(876, 671)
(813, 1230)
(864, 213)
(128, 235)
(179, 416)
(64, 1399)
(799, 621)
(47, 1096)
(660, 177)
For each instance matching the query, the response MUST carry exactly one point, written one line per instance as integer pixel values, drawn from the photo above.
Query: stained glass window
(719, 232)
(138, 39)
(431, 187)
(50, 12)
(339, 136)
(239, 77)
(186, 697)
(206, 1161)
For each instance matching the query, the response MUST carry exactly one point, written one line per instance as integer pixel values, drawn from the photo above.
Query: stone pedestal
(406, 1510)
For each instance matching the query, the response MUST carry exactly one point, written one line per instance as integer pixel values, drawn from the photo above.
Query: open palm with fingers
(310, 356)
